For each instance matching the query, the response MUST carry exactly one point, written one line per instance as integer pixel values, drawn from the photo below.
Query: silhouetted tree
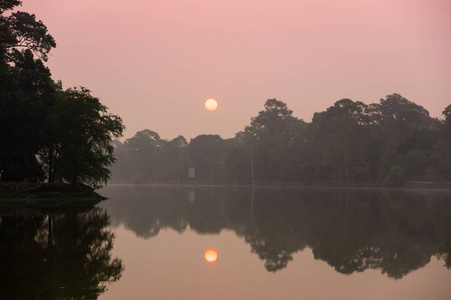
(27, 98)
(70, 131)
(21, 30)
(206, 152)
(84, 134)
(175, 159)
(439, 167)
(337, 139)
(145, 155)
(271, 134)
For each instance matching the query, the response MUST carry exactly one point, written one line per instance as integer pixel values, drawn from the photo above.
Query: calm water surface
(273, 243)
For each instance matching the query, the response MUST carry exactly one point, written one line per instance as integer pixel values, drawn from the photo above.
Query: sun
(211, 255)
(211, 104)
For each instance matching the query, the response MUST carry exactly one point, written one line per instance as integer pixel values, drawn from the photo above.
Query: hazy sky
(155, 63)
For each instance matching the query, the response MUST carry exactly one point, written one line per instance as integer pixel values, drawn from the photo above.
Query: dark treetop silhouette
(387, 142)
(47, 133)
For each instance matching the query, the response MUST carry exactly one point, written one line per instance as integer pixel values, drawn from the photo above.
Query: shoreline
(424, 185)
(30, 190)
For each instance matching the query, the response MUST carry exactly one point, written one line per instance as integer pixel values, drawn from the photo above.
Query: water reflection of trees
(352, 230)
(64, 255)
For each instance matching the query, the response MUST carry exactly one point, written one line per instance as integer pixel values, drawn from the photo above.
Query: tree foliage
(21, 30)
(439, 167)
(84, 132)
(389, 142)
(47, 133)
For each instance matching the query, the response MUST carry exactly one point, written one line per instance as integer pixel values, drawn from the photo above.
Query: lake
(148, 242)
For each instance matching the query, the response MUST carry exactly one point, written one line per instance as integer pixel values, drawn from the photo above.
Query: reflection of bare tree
(65, 255)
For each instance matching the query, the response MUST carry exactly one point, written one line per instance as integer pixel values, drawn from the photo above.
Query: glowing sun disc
(211, 255)
(211, 104)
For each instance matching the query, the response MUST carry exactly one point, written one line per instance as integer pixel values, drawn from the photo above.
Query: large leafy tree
(206, 152)
(175, 158)
(26, 91)
(237, 163)
(439, 167)
(70, 131)
(27, 97)
(144, 155)
(21, 30)
(394, 122)
(397, 118)
(83, 145)
(345, 148)
(336, 141)
(271, 134)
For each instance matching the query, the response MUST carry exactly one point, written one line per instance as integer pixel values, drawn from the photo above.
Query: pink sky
(155, 63)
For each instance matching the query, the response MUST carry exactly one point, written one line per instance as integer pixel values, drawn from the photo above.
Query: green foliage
(439, 167)
(236, 164)
(175, 158)
(84, 134)
(396, 118)
(6, 5)
(415, 164)
(145, 150)
(446, 129)
(21, 30)
(27, 98)
(345, 148)
(271, 136)
(206, 153)
(348, 142)
(69, 131)
(72, 133)
(395, 177)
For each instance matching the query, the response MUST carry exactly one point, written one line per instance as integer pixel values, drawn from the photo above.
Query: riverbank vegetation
(384, 143)
(51, 134)
(47, 133)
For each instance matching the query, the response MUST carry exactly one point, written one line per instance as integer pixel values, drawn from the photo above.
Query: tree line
(47, 133)
(388, 142)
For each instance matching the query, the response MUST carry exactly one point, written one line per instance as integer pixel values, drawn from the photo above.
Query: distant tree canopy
(389, 142)
(46, 132)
